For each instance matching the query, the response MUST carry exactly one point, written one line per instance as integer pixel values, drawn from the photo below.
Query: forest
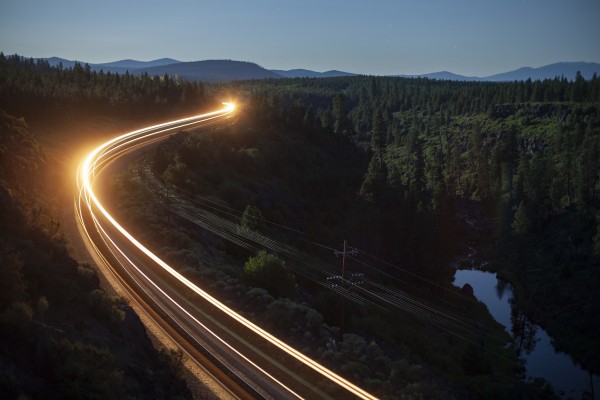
(62, 335)
(521, 157)
(410, 172)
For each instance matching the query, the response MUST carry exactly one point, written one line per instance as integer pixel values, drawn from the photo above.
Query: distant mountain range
(229, 70)
(551, 71)
(120, 67)
(207, 70)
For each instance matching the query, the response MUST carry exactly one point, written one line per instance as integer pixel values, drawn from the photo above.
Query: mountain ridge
(229, 70)
(129, 63)
(444, 75)
(214, 70)
(567, 69)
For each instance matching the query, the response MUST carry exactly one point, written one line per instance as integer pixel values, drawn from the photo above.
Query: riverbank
(552, 291)
(532, 342)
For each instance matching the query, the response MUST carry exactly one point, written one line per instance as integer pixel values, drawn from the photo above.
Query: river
(541, 358)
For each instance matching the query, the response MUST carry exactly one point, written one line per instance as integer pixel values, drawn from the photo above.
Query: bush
(270, 272)
(17, 317)
(106, 306)
(84, 371)
(174, 359)
(252, 218)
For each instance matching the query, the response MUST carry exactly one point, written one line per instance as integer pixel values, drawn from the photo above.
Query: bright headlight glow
(88, 199)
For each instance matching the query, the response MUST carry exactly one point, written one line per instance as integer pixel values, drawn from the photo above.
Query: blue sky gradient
(468, 37)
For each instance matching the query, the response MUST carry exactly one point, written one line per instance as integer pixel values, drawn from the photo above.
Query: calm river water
(542, 360)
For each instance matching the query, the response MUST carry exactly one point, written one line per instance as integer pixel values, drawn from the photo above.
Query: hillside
(213, 70)
(135, 64)
(525, 154)
(299, 158)
(566, 69)
(551, 71)
(62, 335)
(119, 67)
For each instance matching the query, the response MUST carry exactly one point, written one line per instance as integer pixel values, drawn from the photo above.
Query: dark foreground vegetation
(61, 335)
(410, 171)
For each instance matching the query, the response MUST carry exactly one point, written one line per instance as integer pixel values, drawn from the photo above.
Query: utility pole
(350, 252)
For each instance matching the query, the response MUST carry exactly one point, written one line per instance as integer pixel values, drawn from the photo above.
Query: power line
(232, 231)
(345, 252)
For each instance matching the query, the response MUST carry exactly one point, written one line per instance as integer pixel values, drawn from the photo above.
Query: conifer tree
(378, 136)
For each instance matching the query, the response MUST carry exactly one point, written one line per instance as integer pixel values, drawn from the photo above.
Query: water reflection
(501, 287)
(523, 331)
(531, 342)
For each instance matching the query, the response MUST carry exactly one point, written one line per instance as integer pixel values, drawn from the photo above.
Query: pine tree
(521, 222)
(378, 137)
(340, 115)
(375, 181)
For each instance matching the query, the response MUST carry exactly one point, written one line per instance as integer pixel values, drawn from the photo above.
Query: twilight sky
(381, 37)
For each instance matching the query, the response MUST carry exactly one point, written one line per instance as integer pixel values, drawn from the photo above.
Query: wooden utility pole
(343, 253)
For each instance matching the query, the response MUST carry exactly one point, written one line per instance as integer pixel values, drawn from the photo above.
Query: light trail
(112, 149)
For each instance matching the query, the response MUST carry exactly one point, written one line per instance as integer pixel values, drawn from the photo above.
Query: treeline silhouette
(30, 86)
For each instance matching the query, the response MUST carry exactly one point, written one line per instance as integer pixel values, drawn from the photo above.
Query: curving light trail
(120, 145)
